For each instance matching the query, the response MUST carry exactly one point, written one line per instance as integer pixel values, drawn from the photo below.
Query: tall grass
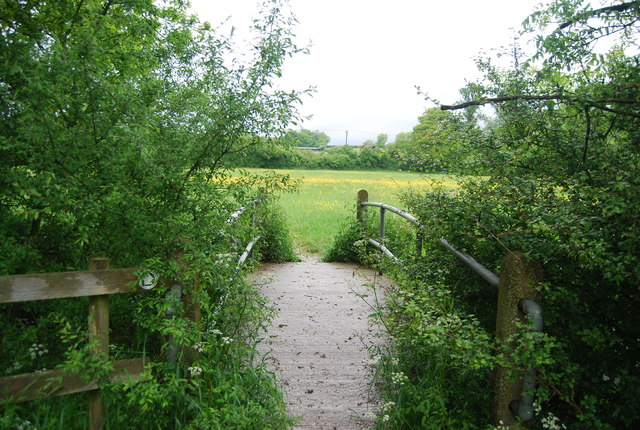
(327, 197)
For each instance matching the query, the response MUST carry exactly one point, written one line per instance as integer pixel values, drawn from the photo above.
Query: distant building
(309, 148)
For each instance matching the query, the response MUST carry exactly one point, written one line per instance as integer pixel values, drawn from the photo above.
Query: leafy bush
(344, 248)
(562, 186)
(276, 245)
(115, 121)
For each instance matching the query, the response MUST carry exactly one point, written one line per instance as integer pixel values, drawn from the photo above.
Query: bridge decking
(319, 341)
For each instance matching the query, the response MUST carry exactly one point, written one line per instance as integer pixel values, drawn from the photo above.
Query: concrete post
(518, 280)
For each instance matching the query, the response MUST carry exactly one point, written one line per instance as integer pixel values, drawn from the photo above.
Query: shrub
(276, 245)
(344, 248)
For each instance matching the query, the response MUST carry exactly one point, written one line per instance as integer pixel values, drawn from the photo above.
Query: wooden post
(189, 297)
(518, 280)
(363, 196)
(98, 330)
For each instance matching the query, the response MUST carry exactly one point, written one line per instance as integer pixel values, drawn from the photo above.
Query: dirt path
(318, 342)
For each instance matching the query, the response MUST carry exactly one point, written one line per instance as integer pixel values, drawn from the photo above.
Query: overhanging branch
(601, 104)
(623, 7)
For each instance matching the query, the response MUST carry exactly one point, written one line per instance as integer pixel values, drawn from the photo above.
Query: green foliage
(276, 245)
(562, 162)
(218, 380)
(371, 156)
(438, 143)
(344, 247)
(307, 138)
(432, 373)
(116, 119)
(565, 189)
(114, 122)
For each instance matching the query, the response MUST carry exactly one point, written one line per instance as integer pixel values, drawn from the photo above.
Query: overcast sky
(367, 56)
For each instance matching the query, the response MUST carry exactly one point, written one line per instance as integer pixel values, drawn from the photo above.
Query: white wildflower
(605, 377)
(16, 366)
(387, 407)
(616, 380)
(25, 425)
(374, 360)
(226, 340)
(195, 371)
(385, 418)
(37, 350)
(537, 407)
(370, 415)
(398, 378)
(199, 347)
(551, 422)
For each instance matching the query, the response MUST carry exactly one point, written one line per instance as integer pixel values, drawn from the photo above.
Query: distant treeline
(332, 158)
(435, 144)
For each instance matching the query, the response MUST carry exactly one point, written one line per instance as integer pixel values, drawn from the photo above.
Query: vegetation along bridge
(320, 345)
(322, 341)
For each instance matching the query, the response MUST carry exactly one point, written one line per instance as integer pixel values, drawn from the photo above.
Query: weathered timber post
(188, 295)
(363, 197)
(518, 280)
(98, 331)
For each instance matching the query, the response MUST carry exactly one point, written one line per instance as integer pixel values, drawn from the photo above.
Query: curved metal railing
(522, 407)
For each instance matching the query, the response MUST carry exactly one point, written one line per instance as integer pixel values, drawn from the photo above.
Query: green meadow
(326, 198)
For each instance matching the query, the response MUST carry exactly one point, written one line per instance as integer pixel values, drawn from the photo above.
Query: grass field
(326, 198)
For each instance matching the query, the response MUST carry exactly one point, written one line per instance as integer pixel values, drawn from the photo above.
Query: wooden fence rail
(97, 283)
(517, 289)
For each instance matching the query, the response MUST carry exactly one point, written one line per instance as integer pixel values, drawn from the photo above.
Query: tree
(307, 138)
(115, 118)
(399, 147)
(437, 143)
(562, 153)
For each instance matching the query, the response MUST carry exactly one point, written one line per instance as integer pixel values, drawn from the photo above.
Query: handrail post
(518, 280)
(98, 331)
(253, 218)
(363, 196)
(382, 211)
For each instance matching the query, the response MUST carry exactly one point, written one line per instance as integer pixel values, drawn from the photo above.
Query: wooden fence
(511, 399)
(97, 284)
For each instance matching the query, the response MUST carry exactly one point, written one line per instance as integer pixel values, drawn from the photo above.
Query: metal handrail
(383, 249)
(472, 263)
(174, 295)
(522, 407)
(247, 251)
(234, 216)
(397, 211)
(232, 219)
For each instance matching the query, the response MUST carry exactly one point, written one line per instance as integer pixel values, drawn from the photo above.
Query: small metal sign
(149, 281)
